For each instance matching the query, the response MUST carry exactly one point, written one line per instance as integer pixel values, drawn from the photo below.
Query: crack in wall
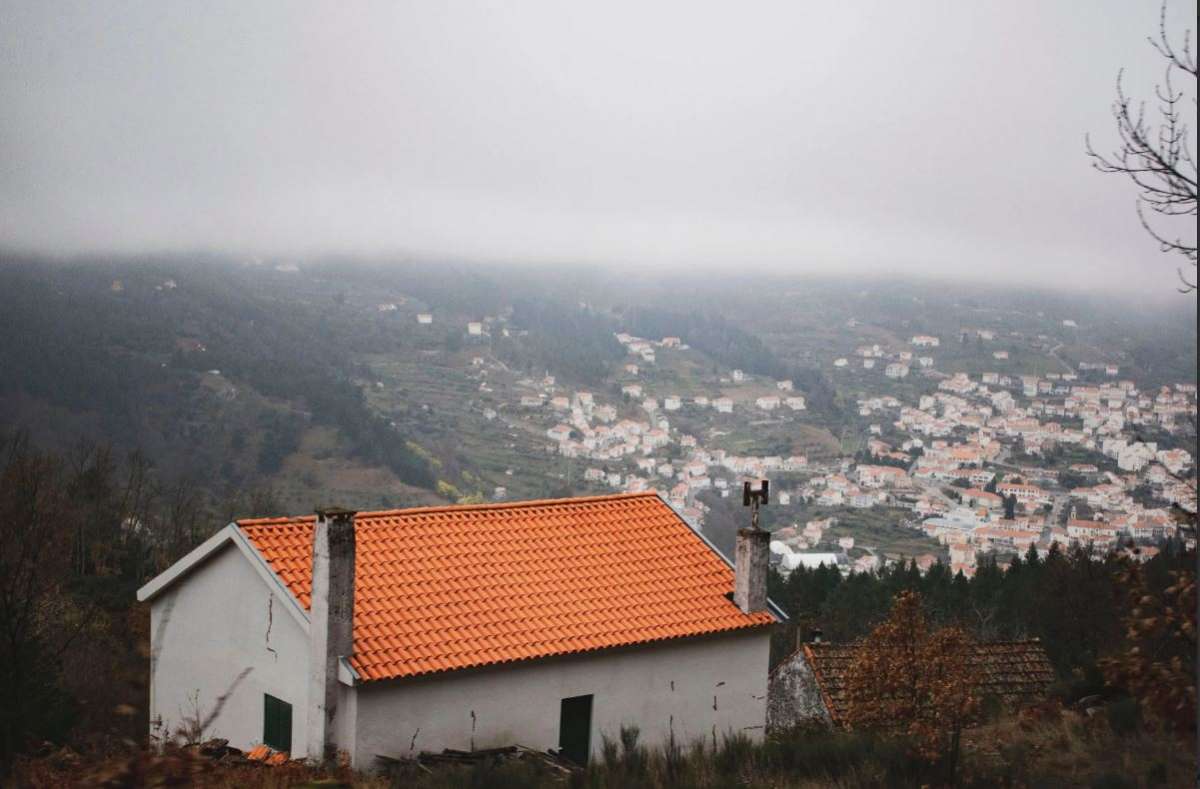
(270, 624)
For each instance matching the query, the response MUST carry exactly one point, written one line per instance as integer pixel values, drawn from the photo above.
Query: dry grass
(1050, 749)
(1070, 748)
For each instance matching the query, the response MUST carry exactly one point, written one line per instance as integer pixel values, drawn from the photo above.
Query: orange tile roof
(443, 588)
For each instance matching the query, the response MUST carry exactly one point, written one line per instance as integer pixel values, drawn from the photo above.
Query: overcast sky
(910, 137)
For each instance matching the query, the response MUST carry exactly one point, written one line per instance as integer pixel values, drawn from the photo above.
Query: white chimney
(331, 624)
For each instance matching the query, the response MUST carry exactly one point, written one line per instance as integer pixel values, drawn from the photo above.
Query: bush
(1124, 715)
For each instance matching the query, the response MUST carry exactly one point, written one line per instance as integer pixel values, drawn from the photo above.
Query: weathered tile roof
(444, 588)
(1015, 672)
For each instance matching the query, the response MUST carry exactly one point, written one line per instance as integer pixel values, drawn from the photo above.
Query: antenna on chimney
(754, 499)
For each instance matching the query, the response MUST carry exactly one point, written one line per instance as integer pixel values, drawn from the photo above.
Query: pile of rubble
(428, 761)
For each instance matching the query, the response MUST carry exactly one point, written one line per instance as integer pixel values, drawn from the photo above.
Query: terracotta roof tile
(443, 588)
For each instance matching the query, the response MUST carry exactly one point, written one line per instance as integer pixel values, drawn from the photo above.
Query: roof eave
(190, 561)
(359, 679)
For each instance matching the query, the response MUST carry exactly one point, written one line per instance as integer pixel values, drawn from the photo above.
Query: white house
(551, 624)
(424, 318)
(768, 403)
(605, 413)
(810, 561)
(475, 328)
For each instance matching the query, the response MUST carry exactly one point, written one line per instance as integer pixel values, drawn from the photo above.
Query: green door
(277, 723)
(575, 728)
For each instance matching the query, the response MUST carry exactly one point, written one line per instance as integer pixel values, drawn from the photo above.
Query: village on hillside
(992, 463)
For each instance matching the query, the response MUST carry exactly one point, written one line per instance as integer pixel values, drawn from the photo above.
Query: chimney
(331, 624)
(750, 570)
(751, 560)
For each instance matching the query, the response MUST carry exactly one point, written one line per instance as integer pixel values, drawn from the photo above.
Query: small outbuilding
(809, 686)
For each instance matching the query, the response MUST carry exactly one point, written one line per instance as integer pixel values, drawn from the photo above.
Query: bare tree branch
(1157, 155)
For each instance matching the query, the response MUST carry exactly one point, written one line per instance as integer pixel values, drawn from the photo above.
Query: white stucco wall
(696, 688)
(207, 629)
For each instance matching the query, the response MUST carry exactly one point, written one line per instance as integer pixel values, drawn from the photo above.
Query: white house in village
(546, 623)
(768, 403)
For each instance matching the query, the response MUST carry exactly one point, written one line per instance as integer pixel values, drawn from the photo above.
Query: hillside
(317, 382)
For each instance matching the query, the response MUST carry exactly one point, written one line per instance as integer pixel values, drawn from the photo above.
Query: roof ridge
(495, 505)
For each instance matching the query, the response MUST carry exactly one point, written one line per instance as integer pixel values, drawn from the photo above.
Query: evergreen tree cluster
(576, 342)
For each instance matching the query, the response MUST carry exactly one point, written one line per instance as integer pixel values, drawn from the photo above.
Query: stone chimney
(750, 570)
(331, 628)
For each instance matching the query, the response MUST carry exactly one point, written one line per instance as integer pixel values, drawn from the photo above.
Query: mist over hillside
(220, 370)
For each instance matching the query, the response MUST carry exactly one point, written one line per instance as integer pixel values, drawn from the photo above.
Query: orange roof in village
(443, 588)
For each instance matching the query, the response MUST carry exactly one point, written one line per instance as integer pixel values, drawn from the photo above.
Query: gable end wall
(794, 696)
(222, 622)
